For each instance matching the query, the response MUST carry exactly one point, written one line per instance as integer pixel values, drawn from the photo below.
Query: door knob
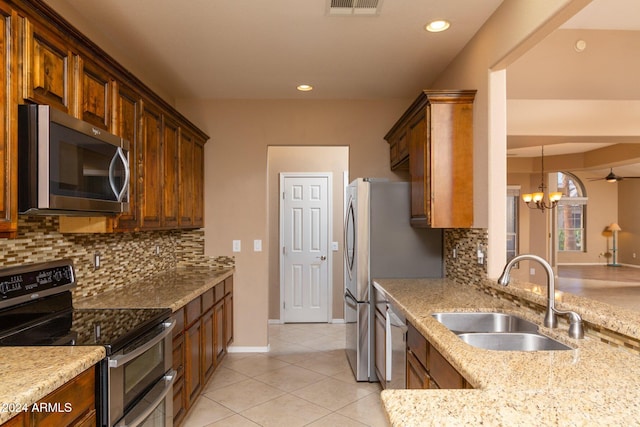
(322, 258)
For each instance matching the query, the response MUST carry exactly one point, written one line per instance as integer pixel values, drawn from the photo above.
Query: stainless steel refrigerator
(380, 244)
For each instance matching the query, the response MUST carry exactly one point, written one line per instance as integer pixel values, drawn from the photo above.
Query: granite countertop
(30, 373)
(594, 384)
(168, 289)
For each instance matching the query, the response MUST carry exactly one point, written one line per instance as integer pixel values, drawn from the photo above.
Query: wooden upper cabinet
(94, 93)
(399, 148)
(171, 170)
(198, 183)
(8, 129)
(125, 123)
(47, 68)
(150, 174)
(439, 127)
(47, 61)
(187, 175)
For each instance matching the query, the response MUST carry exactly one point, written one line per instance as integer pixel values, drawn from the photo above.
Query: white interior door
(305, 262)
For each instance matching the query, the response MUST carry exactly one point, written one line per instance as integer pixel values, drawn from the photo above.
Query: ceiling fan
(612, 177)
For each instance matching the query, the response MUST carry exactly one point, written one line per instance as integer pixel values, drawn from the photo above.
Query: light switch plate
(236, 246)
(257, 245)
(334, 246)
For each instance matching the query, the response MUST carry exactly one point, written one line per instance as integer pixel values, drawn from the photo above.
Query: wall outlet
(236, 246)
(257, 245)
(532, 271)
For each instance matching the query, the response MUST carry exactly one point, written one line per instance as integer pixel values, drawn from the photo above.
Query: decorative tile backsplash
(124, 257)
(464, 267)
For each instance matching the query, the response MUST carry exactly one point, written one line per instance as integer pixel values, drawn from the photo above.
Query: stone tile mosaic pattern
(464, 268)
(124, 257)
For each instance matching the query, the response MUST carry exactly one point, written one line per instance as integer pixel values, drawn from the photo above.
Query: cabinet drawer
(178, 316)
(417, 376)
(445, 375)
(207, 300)
(228, 285)
(219, 291)
(193, 311)
(78, 393)
(418, 344)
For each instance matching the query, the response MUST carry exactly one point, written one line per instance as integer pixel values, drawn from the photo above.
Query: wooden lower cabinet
(73, 404)
(203, 332)
(427, 367)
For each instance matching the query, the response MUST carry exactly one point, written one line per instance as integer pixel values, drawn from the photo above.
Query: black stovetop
(29, 319)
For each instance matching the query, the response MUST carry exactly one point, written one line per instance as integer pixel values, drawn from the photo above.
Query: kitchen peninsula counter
(30, 373)
(594, 384)
(168, 289)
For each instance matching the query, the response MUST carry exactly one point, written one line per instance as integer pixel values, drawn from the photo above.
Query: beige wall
(236, 177)
(514, 28)
(306, 159)
(628, 208)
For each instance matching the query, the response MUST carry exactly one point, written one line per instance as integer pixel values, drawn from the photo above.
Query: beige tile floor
(305, 380)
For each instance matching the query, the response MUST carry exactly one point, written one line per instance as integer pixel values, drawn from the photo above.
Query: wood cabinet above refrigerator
(434, 139)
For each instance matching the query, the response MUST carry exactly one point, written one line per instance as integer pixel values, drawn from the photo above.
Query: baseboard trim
(248, 349)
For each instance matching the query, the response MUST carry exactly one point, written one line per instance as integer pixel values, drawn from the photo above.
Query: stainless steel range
(134, 383)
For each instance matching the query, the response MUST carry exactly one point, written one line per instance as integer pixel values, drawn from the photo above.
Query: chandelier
(537, 200)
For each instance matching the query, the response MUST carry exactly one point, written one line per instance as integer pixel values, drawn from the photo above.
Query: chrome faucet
(576, 329)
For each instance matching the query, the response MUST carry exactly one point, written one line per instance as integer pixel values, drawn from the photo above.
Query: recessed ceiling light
(437, 26)
(304, 88)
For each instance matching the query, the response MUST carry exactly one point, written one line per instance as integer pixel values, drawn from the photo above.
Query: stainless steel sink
(484, 322)
(512, 341)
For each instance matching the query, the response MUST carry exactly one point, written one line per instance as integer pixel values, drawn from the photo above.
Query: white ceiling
(263, 49)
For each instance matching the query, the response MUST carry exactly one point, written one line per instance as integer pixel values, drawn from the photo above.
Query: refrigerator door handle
(348, 295)
(348, 261)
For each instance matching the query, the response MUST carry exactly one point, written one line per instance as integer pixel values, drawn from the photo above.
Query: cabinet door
(8, 130)
(208, 356)
(187, 179)
(399, 150)
(150, 174)
(171, 169)
(16, 421)
(219, 341)
(192, 363)
(47, 67)
(419, 158)
(198, 184)
(126, 116)
(95, 86)
(228, 319)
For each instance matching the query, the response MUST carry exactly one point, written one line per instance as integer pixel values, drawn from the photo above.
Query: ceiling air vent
(354, 7)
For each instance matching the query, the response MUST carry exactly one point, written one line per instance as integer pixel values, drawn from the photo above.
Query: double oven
(134, 382)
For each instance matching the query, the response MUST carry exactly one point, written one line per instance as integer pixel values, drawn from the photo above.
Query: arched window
(571, 214)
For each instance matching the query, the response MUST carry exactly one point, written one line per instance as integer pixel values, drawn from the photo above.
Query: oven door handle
(157, 394)
(120, 360)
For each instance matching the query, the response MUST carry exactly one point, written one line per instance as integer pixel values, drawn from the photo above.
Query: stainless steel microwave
(68, 166)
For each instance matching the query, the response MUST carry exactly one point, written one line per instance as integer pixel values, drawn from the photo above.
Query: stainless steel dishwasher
(390, 342)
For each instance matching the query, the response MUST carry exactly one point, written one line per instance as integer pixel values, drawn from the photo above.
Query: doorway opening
(304, 160)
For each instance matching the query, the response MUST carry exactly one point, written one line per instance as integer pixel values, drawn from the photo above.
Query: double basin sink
(498, 331)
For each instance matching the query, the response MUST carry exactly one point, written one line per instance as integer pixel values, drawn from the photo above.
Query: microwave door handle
(112, 166)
